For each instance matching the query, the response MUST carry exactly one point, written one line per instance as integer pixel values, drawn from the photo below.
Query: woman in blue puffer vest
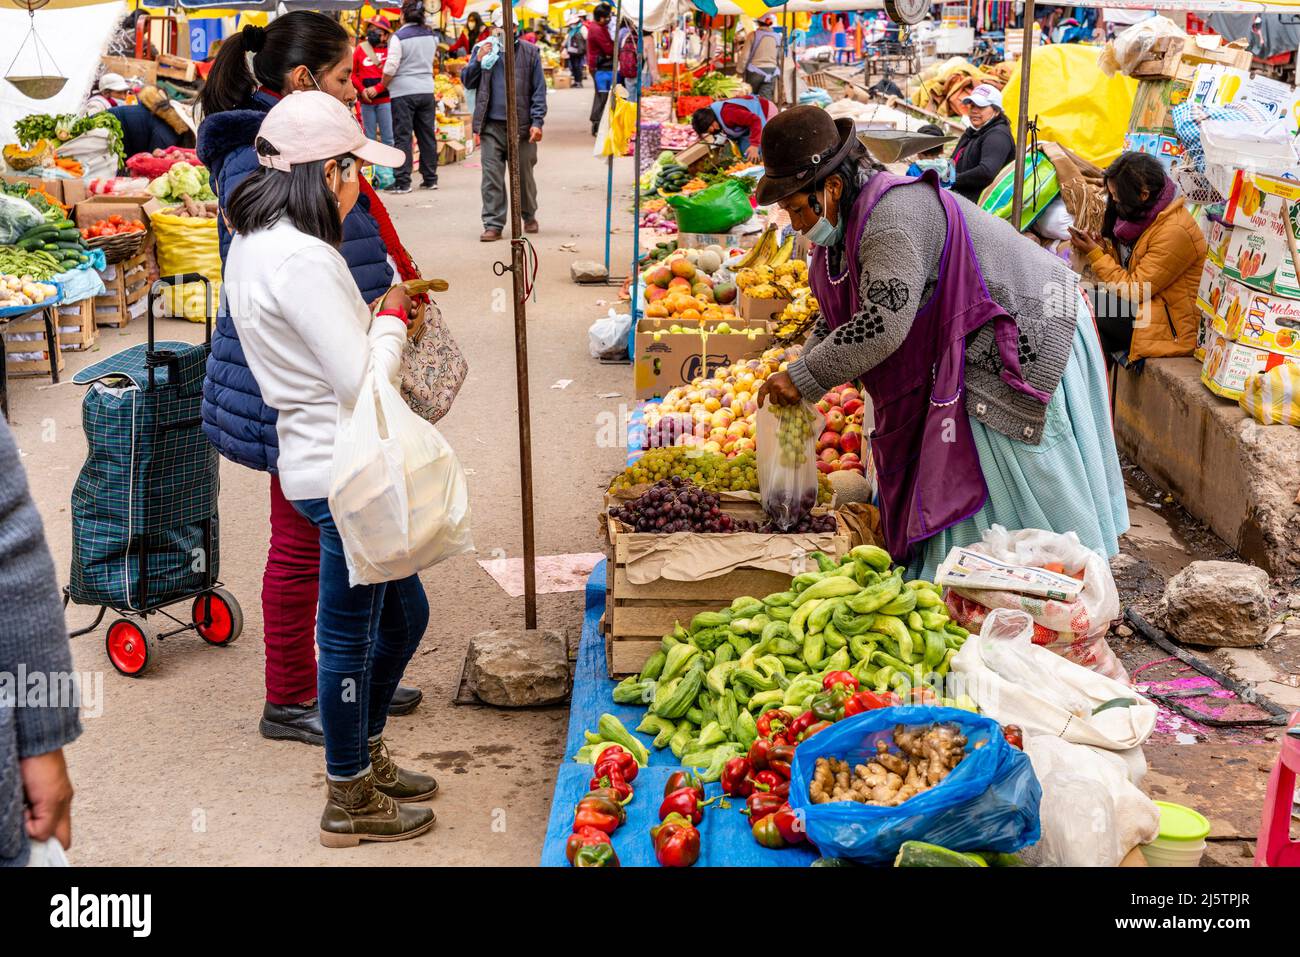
(298, 51)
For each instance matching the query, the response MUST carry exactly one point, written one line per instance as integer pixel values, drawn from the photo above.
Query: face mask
(373, 37)
(823, 233)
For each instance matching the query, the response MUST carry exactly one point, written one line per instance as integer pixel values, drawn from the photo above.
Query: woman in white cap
(113, 91)
(986, 146)
(309, 340)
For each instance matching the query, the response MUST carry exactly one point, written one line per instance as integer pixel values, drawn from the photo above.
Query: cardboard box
(1261, 259)
(131, 208)
(1258, 319)
(1153, 103)
(563, 80)
(664, 360)
(1176, 57)
(1165, 147)
(129, 67)
(760, 310)
(66, 191)
(449, 153)
(1217, 235)
(1228, 364)
(655, 580)
(1210, 291)
(1216, 84)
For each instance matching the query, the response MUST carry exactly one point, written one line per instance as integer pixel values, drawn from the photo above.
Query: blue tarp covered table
(725, 838)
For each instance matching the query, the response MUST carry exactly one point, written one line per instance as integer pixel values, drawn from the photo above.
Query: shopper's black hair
(1130, 174)
(301, 194)
(602, 12)
(702, 119)
(299, 38)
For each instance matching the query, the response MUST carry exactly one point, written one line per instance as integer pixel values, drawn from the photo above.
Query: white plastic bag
(1075, 629)
(607, 337)
(1054, 222)
(94, 152)
(1017, 682)
(398, 494)
(787, 460)
(1130, 46)
(1090, 813)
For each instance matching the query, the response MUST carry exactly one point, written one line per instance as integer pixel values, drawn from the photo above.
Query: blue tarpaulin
(725, 838)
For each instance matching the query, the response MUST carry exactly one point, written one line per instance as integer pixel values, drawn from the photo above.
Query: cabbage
(183, 178)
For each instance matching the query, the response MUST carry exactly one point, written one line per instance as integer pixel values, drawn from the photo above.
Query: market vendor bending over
(741, 119)
(978, 351)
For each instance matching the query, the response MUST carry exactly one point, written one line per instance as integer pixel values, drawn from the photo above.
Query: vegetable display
(22, 291)
(35, 264)
(676, 842)
(181, 181)
(921, 854)
(112, 226)
(752, 671)
(60, 240)
(710, 471)
(927, 756)
(63, 127)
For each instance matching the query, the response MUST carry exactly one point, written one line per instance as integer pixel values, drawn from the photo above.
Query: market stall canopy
(1190, 6)
(729, 8)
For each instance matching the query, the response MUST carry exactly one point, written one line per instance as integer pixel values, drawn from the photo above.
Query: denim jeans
(378, 115)
(365, 636)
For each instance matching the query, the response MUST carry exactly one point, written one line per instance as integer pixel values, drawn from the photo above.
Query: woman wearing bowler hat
(978, 351)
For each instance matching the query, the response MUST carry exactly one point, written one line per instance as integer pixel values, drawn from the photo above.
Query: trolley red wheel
(217, 617)
(127, 647)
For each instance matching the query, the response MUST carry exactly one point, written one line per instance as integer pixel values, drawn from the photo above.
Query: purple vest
(927, 465)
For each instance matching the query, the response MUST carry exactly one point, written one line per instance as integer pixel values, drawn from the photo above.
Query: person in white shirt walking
(309, 340)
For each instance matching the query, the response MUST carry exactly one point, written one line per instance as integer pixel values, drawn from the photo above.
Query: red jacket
(599, 44)
(368, 73)
(737, 116)
(462, 41)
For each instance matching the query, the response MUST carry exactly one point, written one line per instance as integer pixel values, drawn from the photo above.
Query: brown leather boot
(399, 784)
(357, 811)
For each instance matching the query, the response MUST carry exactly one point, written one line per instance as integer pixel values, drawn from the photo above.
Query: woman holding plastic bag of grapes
(313, 348)
(979, 353)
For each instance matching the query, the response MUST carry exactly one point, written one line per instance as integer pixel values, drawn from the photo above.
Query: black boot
(292, 722)
(405, 700)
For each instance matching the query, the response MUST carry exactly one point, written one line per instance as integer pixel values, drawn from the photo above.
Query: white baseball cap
(309, 126)
(985, 95)
(113, 82)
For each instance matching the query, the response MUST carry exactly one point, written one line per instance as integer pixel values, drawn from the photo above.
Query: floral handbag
(433, 367)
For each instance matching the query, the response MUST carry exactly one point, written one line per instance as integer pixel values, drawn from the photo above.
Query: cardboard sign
(1215, 84)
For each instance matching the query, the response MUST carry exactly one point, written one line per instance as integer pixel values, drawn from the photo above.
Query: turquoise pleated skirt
(1071, 481)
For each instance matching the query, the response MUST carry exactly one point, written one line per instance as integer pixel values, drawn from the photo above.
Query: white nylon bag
(398, 493)
(1015, 681)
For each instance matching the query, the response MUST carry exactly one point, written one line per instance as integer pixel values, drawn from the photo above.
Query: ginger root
(927, 755)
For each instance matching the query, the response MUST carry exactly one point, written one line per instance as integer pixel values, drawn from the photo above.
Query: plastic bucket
(1181, 840)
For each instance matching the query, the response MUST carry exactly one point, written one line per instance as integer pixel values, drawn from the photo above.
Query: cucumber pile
(60, 240)
(672, 177)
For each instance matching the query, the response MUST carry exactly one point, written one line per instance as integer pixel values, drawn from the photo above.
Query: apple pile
(840, 446)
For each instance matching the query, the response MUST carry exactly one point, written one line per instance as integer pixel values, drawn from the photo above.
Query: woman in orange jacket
(1148, 261)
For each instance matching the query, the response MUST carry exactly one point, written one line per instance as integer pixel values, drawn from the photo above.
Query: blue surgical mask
(823, 233)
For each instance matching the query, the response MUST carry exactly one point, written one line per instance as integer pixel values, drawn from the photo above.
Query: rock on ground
(588, 271)
(1221, 604)
(518, 669)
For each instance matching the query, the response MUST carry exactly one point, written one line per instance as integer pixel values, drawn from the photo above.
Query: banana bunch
(768, 251)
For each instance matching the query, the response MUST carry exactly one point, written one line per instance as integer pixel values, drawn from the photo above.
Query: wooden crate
(637, 616)
(129, 285)
(40, 366)
(179, 68)
(129, 67)
(77, 329)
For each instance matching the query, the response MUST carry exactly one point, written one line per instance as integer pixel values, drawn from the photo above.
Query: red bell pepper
(834, 678)
(676, 842)
(616, 756)
(736, 781)
(684, 779)
(798, 725)
(595, 855)
(780, 759)
(760, 804)
(790, 823)
(758, 752)
(869, 701)
(1015, 735)
(766, 832)
(812, 729)
(583, 837)
(599, 811)
(610, 779)
(683, 801)
(767, 780)
(770, 723)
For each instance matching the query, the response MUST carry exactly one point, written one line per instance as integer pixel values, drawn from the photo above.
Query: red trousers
(290, 588)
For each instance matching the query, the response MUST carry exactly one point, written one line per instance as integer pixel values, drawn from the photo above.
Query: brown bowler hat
(800, 147)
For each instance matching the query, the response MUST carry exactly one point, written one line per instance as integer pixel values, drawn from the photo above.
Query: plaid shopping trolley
(144, 508)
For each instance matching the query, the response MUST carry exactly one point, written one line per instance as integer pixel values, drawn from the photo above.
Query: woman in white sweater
(309, 340)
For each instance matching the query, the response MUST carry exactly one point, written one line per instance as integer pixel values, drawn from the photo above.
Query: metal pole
(609, 160)
(1022, 121)
(636, 203)
(788, 95)
(517, 266)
